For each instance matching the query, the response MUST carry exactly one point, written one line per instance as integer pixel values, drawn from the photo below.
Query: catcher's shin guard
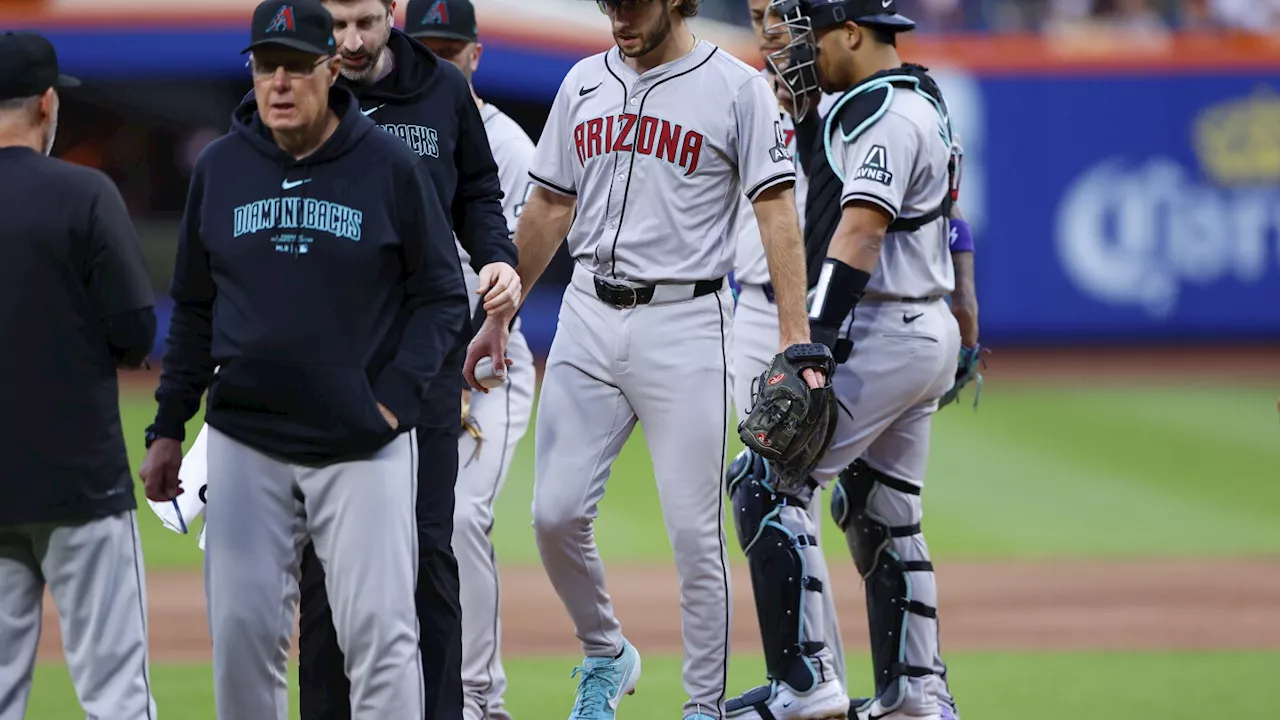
(880, 517)
(776, 533)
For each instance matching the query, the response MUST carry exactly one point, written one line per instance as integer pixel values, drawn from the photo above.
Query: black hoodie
(320, 288)
(427, 103)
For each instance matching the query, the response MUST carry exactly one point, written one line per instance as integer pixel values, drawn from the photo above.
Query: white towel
(180, 513)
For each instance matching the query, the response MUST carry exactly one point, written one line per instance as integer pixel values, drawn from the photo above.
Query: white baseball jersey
(512, 150)
(900, 164)
(752, 267)
(658, 161)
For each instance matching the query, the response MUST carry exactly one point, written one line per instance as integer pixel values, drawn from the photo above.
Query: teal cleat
(604, 682)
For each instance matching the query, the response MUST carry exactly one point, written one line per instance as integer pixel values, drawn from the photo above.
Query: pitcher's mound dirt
(1227, 604)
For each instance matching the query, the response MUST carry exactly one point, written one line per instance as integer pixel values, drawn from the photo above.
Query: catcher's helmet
(794, 64)
(824, 13)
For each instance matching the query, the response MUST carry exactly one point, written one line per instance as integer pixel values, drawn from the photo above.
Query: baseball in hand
(485, 374)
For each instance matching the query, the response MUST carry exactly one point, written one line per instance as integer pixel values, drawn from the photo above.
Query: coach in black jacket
(75, 304)
(427, 103)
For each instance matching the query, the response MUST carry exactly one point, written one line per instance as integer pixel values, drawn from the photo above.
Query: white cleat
(826, 701)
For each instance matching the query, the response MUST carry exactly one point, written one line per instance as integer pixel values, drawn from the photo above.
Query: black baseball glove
(791, 424)
(966, 372)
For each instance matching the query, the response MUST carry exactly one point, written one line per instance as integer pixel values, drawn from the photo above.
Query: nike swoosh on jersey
(289, 185)
(584, 90)
(371, 111)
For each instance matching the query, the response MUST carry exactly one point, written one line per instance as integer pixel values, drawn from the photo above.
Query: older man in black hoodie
(427, 103)
(316, 271)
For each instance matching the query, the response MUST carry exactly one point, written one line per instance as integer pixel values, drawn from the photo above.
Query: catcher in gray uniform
(888, 151)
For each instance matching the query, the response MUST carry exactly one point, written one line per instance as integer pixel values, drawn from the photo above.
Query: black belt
(894, 298)
(768, 292)
(625, 296)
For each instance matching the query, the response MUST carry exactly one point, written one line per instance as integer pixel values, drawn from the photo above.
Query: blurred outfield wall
(1121, 190)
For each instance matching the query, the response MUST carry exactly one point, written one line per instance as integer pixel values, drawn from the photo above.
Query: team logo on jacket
(420, 138)
(298, 213)
(646, 135)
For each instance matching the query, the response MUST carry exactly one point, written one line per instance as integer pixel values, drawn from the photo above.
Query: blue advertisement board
(1137, 205)
(1124, 208)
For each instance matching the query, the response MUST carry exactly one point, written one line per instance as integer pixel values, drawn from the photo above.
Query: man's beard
(368, 73)
(653, 39)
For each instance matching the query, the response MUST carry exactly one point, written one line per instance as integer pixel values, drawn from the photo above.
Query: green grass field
(1036, 472)
(1151, 472)
(1024, 686)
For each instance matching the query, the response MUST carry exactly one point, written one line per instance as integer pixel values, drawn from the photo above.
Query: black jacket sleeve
(188, 360)
(477, 204)
(118, 282)
(435, 296)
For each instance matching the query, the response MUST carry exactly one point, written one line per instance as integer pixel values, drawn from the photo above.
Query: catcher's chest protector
(863, 106)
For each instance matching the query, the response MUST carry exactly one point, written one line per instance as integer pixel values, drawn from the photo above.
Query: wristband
(839, 289)
(961, 236)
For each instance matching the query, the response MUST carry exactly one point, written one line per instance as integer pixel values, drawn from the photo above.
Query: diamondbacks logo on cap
(283, 21)
(437, 15)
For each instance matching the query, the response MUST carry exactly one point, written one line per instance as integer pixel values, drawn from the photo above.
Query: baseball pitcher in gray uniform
(652, 144)
(887, 140)
(495, 421)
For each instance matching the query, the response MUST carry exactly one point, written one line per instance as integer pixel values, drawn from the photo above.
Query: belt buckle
(635, 298)
(622, 289)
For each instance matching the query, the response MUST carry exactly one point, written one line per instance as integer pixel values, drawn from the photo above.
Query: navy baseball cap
(451, 19)
(299, 24)
(29, 66)
(825, 13)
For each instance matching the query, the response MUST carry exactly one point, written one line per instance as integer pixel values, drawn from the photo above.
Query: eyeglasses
(296, 69)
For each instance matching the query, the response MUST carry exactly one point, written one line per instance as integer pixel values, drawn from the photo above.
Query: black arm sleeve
(118, 280)
(188, 360)
(435, 296)
(477, 205)
(808, 138)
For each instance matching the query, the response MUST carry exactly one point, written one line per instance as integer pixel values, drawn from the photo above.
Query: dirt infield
(1077, 605)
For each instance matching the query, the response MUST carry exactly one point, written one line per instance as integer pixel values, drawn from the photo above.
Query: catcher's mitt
(966, 372)
(791, 424)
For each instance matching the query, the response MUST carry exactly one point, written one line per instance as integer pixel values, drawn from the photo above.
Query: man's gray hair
(17, 105)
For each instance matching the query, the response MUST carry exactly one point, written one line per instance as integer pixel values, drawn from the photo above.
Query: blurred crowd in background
(1065, 16)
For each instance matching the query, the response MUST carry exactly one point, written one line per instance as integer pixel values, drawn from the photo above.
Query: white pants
(94, 571)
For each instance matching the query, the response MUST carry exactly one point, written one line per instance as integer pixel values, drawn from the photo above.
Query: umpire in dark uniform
(75, 305)
(426, 102)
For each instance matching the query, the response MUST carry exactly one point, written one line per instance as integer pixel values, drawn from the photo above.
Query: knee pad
(887, 558)
(779, 581)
